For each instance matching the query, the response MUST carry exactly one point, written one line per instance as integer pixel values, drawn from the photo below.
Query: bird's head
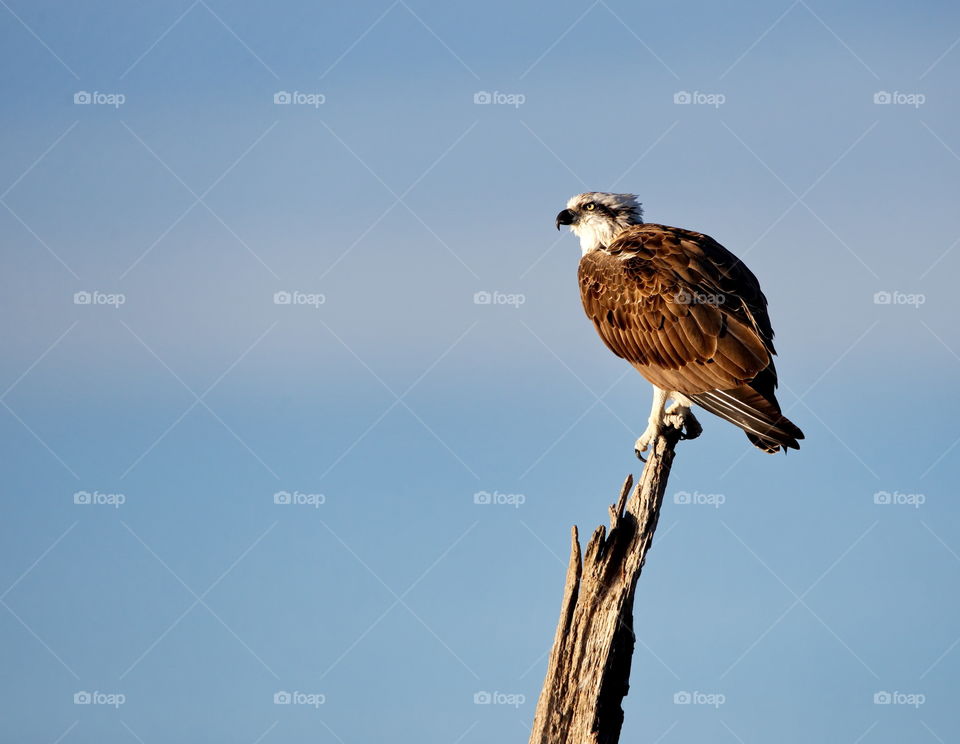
(597, 217)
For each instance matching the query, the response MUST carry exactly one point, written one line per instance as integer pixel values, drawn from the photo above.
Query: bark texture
(589, 670)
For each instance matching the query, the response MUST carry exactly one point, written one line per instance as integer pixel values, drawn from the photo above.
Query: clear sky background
(791, 597)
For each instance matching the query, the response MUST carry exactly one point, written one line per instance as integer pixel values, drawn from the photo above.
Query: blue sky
(182, 198)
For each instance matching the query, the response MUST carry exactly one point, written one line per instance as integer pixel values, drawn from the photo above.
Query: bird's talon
(644, 443)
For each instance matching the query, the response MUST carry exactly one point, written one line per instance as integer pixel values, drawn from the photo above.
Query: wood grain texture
(588, 673)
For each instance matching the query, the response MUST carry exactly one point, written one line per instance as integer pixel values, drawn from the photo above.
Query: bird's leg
(679, 415)
(654, 423)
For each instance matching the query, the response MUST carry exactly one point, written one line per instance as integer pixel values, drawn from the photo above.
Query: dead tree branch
(589, 670)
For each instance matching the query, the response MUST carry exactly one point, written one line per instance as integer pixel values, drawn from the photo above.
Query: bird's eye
(589, 206)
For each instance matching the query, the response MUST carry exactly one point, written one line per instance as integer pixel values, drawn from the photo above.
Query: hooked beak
(566, 217)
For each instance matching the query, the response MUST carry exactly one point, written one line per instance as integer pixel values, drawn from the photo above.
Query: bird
(686, 313)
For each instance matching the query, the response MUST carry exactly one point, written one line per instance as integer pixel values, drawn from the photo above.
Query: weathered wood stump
(589, 670)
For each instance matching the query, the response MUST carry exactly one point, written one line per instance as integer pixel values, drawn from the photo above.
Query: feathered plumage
(691, 318)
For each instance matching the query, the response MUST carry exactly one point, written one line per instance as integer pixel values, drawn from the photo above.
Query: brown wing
(680, 307)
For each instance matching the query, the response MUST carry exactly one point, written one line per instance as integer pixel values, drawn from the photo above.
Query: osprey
(686, 313)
